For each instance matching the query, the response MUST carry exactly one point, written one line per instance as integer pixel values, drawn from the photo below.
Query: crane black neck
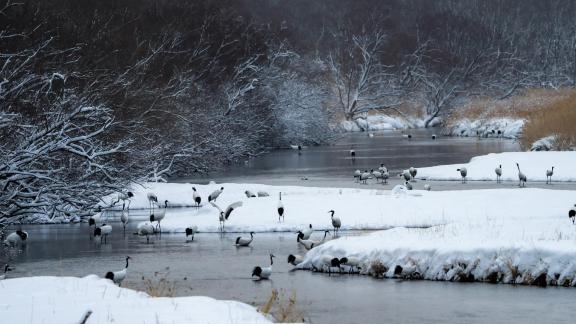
(127, 258)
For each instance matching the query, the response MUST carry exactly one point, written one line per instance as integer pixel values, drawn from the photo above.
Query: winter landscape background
(418, 124)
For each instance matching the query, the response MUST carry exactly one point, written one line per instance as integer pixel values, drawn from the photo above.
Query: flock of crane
(382, 174)
(157, 213)
(99, 230)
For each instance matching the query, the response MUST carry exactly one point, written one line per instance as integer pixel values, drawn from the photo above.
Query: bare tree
(361, 82)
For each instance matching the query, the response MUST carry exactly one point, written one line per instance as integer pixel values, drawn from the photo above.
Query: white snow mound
(68, 299)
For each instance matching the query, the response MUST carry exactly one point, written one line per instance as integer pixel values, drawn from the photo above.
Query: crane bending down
(463, 174)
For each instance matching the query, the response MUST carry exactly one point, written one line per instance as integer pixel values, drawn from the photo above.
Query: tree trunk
(431, 117)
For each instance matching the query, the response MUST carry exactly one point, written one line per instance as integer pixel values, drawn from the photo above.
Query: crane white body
(244, 241)
(102, 232)
(295, 259)
(214, 195)
(125, 219)
(145, 229)
(549, 174)
(336, 222)
(463, 174)
(264, 272)
(498, 172)
(16, 238)
(224, 215)
(118, 276)
(306, 232)
(365, 176)
(521, 177)
(191, 231)
(196, 197)
(357, 175)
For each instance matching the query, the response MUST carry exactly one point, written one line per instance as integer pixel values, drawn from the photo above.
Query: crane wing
(231, 207)
(213, 204)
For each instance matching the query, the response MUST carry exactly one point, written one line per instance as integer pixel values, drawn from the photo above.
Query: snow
(512, 235)
(515, 251)
(385, 122)
(532, 164)
(442, 235)
(544, 144)
(67, 299)
(359, 209)
(509, 127)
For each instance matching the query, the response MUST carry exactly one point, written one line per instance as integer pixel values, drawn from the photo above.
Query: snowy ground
(508, 127)
(521, 236)
(499, 235)
(359, 209)
(385, 122)
(68, 299)
(532, 164)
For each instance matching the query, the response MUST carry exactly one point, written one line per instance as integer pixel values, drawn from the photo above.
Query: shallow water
(211, 265)
(388, 147)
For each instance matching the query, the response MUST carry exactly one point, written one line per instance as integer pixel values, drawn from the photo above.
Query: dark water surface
(389, 147)
(212, 266)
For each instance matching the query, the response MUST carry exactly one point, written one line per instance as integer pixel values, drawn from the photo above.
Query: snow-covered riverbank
(530, 250)
(532, 164)
(385, 122)
(501, 235)
(503, 127)
(68, 300)
(359, 209)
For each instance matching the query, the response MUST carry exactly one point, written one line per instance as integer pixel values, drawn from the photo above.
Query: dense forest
(95, 95)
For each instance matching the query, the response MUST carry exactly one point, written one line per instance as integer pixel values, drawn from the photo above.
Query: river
(211, 265)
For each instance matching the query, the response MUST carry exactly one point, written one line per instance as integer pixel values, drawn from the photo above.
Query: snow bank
(357, 208)
(544, 144)
(538, 250)
(385, 122)
(508, 236)
(532, 164)
(67, 299)
(508, 127)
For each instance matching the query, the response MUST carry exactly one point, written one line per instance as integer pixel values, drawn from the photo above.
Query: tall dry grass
(547, 112)
(282, 308)
(554, 119)
(518, 106)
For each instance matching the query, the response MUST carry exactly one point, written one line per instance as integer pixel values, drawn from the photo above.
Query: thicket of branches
(95, 95)
(433, 54)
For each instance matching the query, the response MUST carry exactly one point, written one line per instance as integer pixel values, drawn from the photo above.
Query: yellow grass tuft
(159, 285)
(283, 309)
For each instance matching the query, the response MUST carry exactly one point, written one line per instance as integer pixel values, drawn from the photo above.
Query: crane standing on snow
(549, 174)
(463, 173)
(521, 177)
(498, 171)
(336, 223)
(118, 276)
